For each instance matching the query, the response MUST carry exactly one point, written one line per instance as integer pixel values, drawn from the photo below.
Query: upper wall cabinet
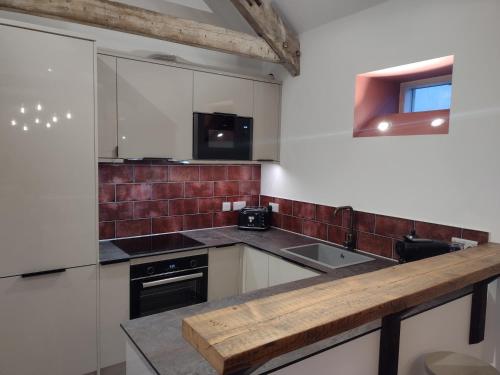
(106, 108)
(266, 130)
(154, 110)
(218, 93)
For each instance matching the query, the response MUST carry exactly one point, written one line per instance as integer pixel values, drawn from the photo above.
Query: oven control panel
(167, 266)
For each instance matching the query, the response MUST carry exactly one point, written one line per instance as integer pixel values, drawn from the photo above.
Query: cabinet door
(48, 324)
(155, 111)
(256, 269)
(281, 271)
(114, 307)
(224, 272)
(47, 140)
(218, 93)
(266, 125)
(106, 107)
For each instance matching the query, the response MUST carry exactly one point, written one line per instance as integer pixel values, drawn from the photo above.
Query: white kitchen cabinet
(255, 269)
(107, 123)
(47, 140)
(266, 120)
(114, 309)
(220, 93)
(282, 271)
(224, 271)
(155, 110)
(48, 323)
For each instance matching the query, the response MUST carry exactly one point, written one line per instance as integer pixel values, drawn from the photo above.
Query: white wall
(452, 179)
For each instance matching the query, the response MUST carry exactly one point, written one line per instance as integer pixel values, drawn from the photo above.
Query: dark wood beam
(267, 23)
(129, 19)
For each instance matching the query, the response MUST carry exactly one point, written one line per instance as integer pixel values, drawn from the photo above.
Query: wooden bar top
(245, 336)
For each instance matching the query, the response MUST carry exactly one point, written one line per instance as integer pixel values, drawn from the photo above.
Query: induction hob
(155, 244)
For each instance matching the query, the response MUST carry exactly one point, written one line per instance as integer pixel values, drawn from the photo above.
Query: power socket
(239, 205)
(226, 206)
(463, 241)
(275, 207)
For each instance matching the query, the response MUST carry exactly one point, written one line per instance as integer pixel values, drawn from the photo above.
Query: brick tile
(364, 221)
(106, 230)
(115, 173)
(337, 234)
(151, 173)
(106, 193)
(256, 172)
(167, 224)
(184, 173)
(168, 191)
(148, 209)
(133, 192)
(315, 229)
(223, 188)
(436, 231)
(213, 173)
(199, 189)
(130, 228)
(375, 244)
(197, 221)
(392, 226)
(183, 206)
(115, 211)
(476, 235)
(223, 219)
(206, 205)
(277, 220)
(305, 210)
(325, 215)
(239, 172)
(249, 187)
(286, 206)
(293, 224)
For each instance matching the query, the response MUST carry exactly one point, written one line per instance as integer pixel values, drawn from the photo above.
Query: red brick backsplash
(144, 198)
(375, 233)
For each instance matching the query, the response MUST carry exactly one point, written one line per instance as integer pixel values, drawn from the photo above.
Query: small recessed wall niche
(412, 99)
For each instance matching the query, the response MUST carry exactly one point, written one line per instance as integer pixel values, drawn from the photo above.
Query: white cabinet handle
(172, 280)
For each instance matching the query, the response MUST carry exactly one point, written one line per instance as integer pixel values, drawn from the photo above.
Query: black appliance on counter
(255, 218)
(413, 248)
(167, 284)
(222, 136)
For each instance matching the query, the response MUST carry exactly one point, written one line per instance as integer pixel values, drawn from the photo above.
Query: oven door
(222, 137)
(155, 294)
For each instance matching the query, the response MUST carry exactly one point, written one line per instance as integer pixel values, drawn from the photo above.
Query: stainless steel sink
(329, 256)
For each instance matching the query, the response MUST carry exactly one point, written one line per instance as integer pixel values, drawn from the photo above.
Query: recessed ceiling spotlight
(124, 137)
(22, 110)
(39, 107)
(37, 120)
(49, 70)
(13, 123)
(220, 135)
(68, 115)
(383, 126)
(48, 125)
(54, 119)
(25, 128)
(437, 122)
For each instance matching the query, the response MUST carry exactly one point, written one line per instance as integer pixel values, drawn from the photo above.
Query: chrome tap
(350, 238)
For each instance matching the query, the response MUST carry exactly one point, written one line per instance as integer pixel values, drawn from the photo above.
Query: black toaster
(255, 218)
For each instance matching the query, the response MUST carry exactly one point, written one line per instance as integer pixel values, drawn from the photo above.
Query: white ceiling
(304, 15)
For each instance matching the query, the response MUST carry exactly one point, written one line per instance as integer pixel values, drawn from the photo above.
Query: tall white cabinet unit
(48, 204)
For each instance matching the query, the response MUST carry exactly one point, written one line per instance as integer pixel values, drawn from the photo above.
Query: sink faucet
(350, 238)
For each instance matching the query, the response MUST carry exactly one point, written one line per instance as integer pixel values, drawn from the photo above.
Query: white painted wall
(453, 179)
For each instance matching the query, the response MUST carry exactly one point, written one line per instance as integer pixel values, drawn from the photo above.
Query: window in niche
(412, 99)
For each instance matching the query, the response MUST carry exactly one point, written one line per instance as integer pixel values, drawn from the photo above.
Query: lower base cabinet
(281, 271)
(224, 271)
(114, 307)
(48, 323)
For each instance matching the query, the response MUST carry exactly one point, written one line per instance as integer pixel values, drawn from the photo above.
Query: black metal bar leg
(478, 312)
(389, 345)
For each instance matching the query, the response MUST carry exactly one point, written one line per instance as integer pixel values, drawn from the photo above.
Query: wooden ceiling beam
(129, 19)
(266, 22)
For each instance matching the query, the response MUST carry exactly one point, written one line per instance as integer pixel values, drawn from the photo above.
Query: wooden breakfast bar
(238, 338)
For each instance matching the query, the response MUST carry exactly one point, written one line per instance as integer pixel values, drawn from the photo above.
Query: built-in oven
(221, 136)
(167, 285)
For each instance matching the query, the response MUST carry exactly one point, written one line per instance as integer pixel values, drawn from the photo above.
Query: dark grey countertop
(158, 337)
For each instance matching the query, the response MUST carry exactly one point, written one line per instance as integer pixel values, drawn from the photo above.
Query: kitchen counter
(159, 339)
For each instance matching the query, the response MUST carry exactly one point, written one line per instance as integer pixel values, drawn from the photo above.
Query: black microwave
(222, 136)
